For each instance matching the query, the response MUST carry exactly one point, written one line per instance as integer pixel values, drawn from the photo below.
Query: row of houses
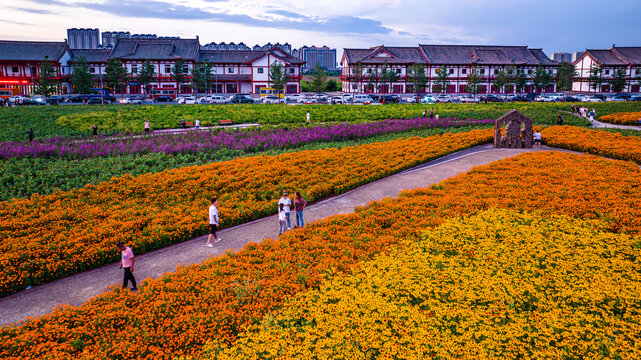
(244, 71)
(247, 71)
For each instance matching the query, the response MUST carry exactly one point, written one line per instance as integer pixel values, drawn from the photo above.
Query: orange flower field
(596, 142)
(57, 235)
(222, 297)
(622, 118)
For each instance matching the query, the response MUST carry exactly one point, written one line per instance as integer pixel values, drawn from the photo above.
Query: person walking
(299, 205)
(183, 123)
(592, 114)
(282, 219)
(537, 138)
(425, 113)
(213, 222)
(573, 109)
(30, 135)
(431, 113)
(197, 124)
(559, 120)
(309, 117)
(127, 263)
(287, 203)
(147, 127)
(95, 129)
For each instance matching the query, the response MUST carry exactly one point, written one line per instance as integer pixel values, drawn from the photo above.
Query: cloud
(13, 22)
(33, 11)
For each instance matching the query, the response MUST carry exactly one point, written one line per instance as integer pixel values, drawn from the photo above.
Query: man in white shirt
(213, 222)
(286, 204)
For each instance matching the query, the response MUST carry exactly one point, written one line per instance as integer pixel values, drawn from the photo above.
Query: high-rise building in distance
(83, 38)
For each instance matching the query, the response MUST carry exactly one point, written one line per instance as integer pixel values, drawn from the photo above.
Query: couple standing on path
(284, 206)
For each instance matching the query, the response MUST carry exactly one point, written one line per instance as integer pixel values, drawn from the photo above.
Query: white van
(362, 99)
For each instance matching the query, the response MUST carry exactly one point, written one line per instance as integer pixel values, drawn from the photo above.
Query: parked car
(443, 99)
(618, 97)
(55, 99)
(163, 98)
(428, 99)
(131, 100)
(490, 98)
(519, 98)
(600, 96)
(187, 100)
(545, 98)
(241, 99)
(347, 98)
(636, 98)
(572, 99)
(320, 97)
(467, 98)
(273, 99)
(390, 99)
(591, 99)
(293, 97)
(337, 100)
(97, 101)
(307, 100)
(218, 99)
(363, 99)
(248, 95)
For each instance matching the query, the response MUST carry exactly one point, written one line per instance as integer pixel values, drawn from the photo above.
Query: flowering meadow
(596, 142)
(501, 284)
(210, 141)
(57, 235)
(227, 296)
(623, 118)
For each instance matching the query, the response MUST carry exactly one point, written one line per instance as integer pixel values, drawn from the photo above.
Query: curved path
(79, 288)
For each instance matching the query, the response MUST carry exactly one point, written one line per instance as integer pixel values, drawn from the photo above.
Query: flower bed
(596, 142)
(501, 284)
(211, 141)
(623, 118)
(221, 297)
(53, 236)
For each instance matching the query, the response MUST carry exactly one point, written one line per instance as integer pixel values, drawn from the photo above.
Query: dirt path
(79, 288)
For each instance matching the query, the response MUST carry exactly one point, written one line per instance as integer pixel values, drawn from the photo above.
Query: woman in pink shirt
(299, 205)
(127, 262)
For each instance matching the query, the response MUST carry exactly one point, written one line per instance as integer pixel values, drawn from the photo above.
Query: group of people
(431, 113)
(583, 112)
(284, 210)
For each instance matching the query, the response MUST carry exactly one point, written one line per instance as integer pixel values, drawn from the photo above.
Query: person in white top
(197, 123)
(282, 219)
(309, 117)
(537, 138)
(286, 205)
(213, 222)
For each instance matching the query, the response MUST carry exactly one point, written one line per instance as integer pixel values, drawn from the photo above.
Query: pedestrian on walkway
(287, 203)
(299, 205)
(30, 135)
(147, 127)
(282, 219)
(183, 124)
(425, 113)
(559, 120)
(537, 138)
(592, 114)
(95, 129)
(127, 263)
(213, 222)
(431, 113)
(197, 123)
(573, 109)
(309, 117)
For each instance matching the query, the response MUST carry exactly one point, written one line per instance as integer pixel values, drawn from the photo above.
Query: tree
(441, 80)
(318, 79)
(357, 70)
(178, 73)
(331, 85)
(418, 78)
(115, 75)
(473, 82)
(46, 82)
(277, 77)
(521, 80)
(81, 78)
(596, 76)
(541, 78)
(618, 80)
(388, 76)
(565, 74)
(510, 78)
(500, 79)
(146, 75)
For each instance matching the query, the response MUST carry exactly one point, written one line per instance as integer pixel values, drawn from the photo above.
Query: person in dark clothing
(559, 121)
(95, 129)
(183, 124)
(30, 135)
(431, 113)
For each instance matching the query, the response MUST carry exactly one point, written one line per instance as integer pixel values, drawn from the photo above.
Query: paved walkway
(597, 124)
(79, 288)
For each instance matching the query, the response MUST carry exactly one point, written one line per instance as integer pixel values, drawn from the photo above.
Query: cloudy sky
(554, 25)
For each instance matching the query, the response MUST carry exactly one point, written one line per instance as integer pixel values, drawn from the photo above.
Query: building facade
(109, 38)
(610, 61)
(21, 61)
(458, 60)
(562, 57)
(83, 38)
(318, 56)
(223, 46)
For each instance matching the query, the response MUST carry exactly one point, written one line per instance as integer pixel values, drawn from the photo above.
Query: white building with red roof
(611, 61)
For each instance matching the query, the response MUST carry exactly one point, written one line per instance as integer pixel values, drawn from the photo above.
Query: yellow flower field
(502, 284)
(596, 142)
(622, 118)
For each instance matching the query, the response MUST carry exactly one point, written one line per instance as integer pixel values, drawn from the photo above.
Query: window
(529, 72)
(482, 71)
(230, 70)
(463, 71)
(134, 69)
(398, 71)
(92, 70)
(260, 70)
(637, 71)
(167, 69)
(15, 69)
(607, 72)
(34, 70)
(451, 71)
(292, 71)
(186, 68)
(369, 71)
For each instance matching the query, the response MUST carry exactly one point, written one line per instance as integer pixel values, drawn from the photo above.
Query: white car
(363, 99)
(545, 98)
(443, 98)
(188, 100)
(591, 99)
(131, 100)
(248, 95)
(204, 99)
(307, 100)
(16, 99)
(469, 98)
(347, 98)
(338, 100)
(293, 97)
(428, 99)
(218, 99)
(273, 99)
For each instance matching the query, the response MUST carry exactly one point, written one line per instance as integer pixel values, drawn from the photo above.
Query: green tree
(115, 75)
(388, 76)
(441, 81)
(510, 78)
(618, 80)
(318, 79)
(541, 78)
(418, 79)
(596, 77)
(178, 73)
(81, 78)
(331, 85)
(277, 77)
(46, 82)
(500, 79)
(357, 71)
(521, 80)
(146, 75)
(473, 82)
(565, 75)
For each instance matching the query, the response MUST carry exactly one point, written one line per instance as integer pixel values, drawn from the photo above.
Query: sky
(554, 25)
